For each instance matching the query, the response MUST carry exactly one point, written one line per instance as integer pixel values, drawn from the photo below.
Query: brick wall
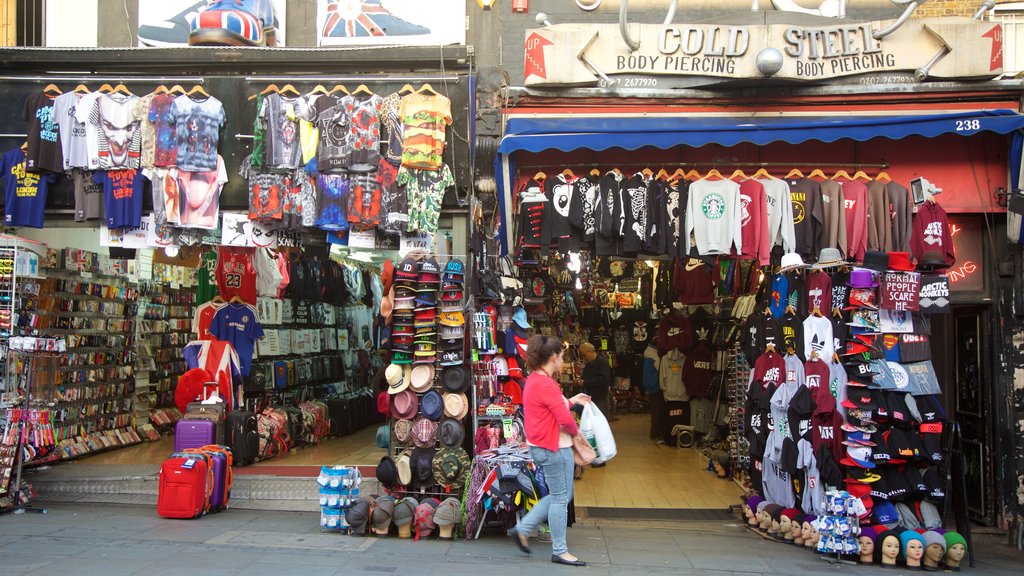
(935, 8)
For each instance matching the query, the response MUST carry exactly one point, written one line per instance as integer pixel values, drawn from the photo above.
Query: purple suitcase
(220, 478)
(194, 434)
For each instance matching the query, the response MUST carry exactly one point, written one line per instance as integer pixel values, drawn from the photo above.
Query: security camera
(921, 189)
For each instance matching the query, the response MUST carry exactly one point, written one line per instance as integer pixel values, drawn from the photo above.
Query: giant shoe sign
(588, 54)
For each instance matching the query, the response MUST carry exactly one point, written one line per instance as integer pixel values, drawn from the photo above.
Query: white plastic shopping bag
(594, 427)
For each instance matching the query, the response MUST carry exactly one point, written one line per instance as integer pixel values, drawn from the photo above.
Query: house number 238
(965, 125)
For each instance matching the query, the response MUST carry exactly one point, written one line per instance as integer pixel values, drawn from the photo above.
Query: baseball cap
(861, 298)
(455, 295)
(858, 374)
(452, 318)
(408, 269)
(454, 271)
(429, 272)
(452, 356)
(886, 514)
(858, 439)
(519, 317)
(452, 332)
(862, 475)
(859, 456)
(500, 366)
(400, 356)
(450, 305)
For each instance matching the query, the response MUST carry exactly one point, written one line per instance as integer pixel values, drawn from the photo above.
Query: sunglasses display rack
(739, 449)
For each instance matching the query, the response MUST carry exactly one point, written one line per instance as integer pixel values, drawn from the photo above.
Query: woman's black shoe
(559, 560)
(519, 541)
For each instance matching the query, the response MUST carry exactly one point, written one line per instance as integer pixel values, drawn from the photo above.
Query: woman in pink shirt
(549, 427)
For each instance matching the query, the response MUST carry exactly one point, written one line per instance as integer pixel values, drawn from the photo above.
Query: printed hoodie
(560, 191)
(713, 217)
(931, 233)
(582, 208)
(671, 376)
(634, 208)
(676, 195)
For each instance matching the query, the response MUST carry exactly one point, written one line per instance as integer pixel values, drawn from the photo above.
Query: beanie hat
(383, 510)
(870, 533)
(954, 538)
(753, 501)
(933, 537)
(762, 505)
(881, 540)
(790, 513)
(774, 510)
(905, 539)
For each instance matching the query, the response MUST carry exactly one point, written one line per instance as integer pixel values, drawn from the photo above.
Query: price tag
(506, 427)
(85, 274)
(476, 355)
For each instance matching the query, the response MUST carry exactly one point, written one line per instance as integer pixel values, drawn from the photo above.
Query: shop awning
(631, 133)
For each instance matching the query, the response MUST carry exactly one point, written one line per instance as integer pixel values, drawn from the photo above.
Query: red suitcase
(185, 485)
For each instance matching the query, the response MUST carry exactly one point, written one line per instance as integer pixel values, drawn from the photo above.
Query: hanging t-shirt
(25, 192)
(394, 200)
(203, 318)
(281, 113)
(206, 283)
(74, 143)
(332, 122)
(237, 324)
(390, 106)
(364, 201)
(44, 149)
(677, 196)
(268, 275)
(165, 143)
(818, 337)
(88, 196)
(200, 196)
(362, 119)
(698, 372)
(236, 275)
(146, 128)
(119, 139)
(834, 210)
(780, 213)
(266, 192)
(309, 134)
(819, 292)
(559, 191)
(808, 217)
(299, 198)
(122, 197)
(754, 222)
(695, 281)
(83, 114)
(332, 198)
(425, 118)
(197, 125)
(165, 195)
(426, 191)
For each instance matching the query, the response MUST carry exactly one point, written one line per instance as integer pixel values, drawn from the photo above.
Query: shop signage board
(574, 54)
(934, 294)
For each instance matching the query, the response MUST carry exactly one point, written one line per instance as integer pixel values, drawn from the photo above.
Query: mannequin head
(796, 533)
(809, 531)
(887, 548)
(867, 545)
(956, 549)
(775, 515)
(750, 509)
(934, 549)
(911, 548)
(759, 515)
(790, 517)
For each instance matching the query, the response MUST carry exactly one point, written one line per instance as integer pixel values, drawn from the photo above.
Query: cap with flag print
(860, 457)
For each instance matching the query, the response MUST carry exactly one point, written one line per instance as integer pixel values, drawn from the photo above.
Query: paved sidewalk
(112, 540)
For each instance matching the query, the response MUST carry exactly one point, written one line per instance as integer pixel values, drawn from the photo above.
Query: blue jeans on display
(558, 474)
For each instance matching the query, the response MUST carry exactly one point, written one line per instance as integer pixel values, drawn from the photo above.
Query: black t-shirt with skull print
(634, 207)
(560, 190)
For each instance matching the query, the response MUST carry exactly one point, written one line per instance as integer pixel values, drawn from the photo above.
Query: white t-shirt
(74, 138)
(268, 277)
(83, 112)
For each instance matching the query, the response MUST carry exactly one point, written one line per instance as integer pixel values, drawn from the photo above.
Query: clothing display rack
(739, 374)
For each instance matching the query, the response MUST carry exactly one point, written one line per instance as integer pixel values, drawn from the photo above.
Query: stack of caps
(425, 313)
(451, 316)
(403, 316)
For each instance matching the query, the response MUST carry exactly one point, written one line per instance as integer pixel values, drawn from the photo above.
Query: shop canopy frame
(534, 134)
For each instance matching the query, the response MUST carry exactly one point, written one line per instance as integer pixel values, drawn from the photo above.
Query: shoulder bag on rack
(511, 285)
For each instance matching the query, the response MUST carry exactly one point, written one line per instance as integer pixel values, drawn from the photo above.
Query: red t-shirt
(236, 275)
(201, 322)
(545, 411)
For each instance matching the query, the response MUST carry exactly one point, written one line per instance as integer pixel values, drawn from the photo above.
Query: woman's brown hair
(540, 349)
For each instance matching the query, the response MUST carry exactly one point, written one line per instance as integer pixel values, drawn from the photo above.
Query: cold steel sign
(577, 54)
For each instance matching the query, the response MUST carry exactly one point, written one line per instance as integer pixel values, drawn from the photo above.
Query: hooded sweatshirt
(671, 376)
(713, 217)
(931, 233)
(808, 217)
(634, 208)
(606, 215)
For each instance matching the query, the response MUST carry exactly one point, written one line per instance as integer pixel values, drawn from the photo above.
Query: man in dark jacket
(597, 378)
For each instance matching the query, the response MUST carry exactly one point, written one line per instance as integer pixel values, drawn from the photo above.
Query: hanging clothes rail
(550, 165)
(91, 78)
(454, 78)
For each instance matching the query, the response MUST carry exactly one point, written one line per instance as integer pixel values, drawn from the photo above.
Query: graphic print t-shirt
(197, 125)
(237, 324)
(141, 112)
(332, 198)
(88, 196)
(200, 196)
(74, 142)
(165, 194)
(206, 286)
(122, 197)
(425, 118)
(165, 144)
(389, 115)
(364, 201)
(426, 190)
(25, 192)
(118, 136)
(330, 119)
(362, 119)
(44, 151)
(284, 147)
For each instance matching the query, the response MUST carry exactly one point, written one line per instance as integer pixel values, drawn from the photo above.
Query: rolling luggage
(242, 436)
(185, 484)
(194, 434)
(220, 462)
(212, 412)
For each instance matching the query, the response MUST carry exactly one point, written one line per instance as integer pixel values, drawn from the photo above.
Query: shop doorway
(960, 359)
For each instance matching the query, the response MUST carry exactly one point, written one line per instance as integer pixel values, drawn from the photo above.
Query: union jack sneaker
(365, 18)
(234, 23)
